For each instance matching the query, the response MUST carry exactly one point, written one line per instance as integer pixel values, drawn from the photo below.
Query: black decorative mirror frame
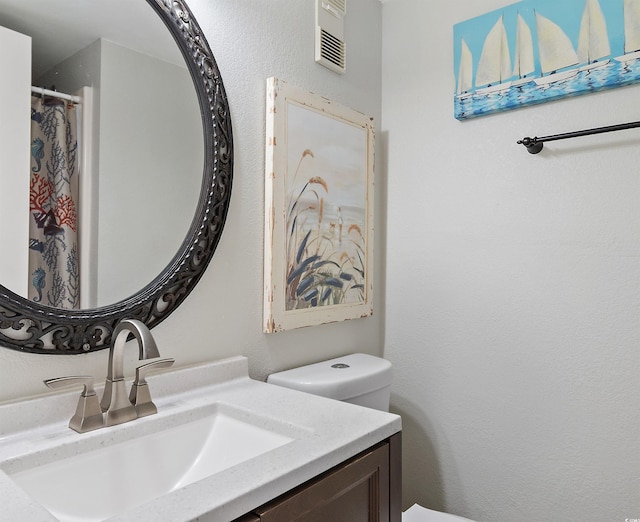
(29, 327)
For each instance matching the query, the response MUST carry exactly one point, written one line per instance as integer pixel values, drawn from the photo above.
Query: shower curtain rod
(46, 92)
(534, 145)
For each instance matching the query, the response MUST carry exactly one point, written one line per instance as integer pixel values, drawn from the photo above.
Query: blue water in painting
(613, 74)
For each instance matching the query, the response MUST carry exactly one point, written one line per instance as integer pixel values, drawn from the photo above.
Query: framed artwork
(318, 253)
(536, 51)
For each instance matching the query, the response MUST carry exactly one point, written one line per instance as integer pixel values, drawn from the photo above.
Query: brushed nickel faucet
(140, 396)
(116, 406)
(115, 401)
(88, 414)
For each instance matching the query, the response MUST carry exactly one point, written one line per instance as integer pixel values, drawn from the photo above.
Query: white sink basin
(100, 483)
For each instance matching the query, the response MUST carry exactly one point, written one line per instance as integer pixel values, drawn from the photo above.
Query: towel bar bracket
(533, 145)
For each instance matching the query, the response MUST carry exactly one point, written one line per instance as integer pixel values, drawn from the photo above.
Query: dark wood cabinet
(365, 488)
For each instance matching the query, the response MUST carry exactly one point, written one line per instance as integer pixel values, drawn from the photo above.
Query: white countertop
(326, 433)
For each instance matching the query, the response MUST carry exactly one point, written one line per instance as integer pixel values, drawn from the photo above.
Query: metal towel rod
(534, 145)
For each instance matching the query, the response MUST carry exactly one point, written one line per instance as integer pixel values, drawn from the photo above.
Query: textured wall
(513, 290)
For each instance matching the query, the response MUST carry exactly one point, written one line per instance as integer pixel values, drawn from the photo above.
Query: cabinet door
(357, 491)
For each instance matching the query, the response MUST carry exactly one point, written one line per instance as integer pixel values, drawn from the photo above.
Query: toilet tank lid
(341, 378)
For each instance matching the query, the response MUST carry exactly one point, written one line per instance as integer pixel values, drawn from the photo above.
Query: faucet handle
(140, 396)
(88, 414)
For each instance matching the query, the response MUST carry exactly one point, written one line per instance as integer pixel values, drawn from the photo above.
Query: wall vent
(338, 5)
(331, 50)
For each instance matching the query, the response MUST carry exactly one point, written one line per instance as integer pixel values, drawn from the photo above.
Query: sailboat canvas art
(536, 51)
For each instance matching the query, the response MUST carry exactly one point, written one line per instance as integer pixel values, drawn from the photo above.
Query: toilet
(359, 379)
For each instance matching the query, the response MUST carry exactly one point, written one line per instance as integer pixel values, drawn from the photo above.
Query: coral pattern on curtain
(53, 196)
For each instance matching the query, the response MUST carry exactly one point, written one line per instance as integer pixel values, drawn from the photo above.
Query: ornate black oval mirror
(31, 327)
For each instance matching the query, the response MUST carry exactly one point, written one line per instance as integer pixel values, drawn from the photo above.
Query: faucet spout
(115, 400)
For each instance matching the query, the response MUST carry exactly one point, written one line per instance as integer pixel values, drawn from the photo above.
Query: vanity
(222, 447)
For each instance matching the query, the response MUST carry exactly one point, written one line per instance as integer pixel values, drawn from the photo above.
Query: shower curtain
(53, 195)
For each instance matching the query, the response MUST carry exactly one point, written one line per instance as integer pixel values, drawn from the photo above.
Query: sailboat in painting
(494, 68)
(593, 42)
(631, 31)
(524, 64)
(556, 52)
(465, 71)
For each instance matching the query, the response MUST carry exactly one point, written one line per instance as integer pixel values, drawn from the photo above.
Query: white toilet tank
(358, 378)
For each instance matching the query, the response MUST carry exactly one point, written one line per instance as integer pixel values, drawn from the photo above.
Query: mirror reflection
(137, 154)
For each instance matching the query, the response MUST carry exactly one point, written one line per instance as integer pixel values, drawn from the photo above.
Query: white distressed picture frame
(319, 184)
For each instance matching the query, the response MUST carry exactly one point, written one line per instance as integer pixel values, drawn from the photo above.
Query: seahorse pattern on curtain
(53, 196)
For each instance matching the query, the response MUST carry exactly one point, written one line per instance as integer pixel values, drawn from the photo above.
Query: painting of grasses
(318, 234)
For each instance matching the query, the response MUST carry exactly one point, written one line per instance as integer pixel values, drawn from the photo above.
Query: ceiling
(60, 28)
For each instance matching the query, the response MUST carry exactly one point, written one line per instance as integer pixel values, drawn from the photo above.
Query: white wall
(15, 146)
(251, 40)
(151, 157)
(512, 311)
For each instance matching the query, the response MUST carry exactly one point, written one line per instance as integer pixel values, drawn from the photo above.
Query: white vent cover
(330, 47)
